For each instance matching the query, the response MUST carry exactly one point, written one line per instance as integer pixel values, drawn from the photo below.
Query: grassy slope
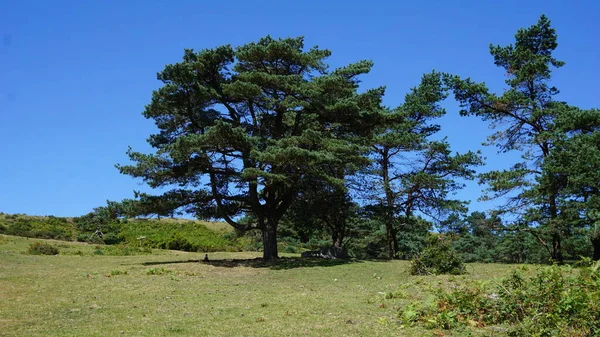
(72, 295)
(204, 235)
(222, 227)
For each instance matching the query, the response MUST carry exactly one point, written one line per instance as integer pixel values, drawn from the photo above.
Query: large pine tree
(240, 129)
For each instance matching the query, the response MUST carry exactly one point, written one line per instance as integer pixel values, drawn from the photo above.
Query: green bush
(558, 301)
(82, 237)
(111, 238)
(437, 258)
(178, 242)
(89, 238)
(41, 248)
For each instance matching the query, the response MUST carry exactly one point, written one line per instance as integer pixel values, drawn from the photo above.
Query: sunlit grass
(169, 293)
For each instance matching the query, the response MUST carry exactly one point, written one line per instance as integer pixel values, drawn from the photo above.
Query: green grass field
(171, 293)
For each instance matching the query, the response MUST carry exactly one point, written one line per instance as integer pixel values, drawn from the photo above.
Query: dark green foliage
(411, 172)
(176, 242)
(112, 238)
(370, 240)
(89, 238)
(102, 225)
(573, 169)
(41, 248)
(519, 247)
(549, 190)
(555, 302)
(253, 122)
(413, 236)
(323, 207)
(478, 238)
(437, 258)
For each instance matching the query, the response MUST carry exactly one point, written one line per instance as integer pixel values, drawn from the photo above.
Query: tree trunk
(391, 233)
(338, 238)
(596, 245)
(338, 225)
(556, 248)
(269, 234)
(392, 239)
(556, 239)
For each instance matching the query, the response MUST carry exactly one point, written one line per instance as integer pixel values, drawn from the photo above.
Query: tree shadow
(283, 263)
(382, 260)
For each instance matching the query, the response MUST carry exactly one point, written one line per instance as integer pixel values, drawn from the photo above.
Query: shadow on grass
(279, 264)
(381, 260)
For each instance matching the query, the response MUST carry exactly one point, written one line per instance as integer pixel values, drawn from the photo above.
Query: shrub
(178, 242)
(437, 258)
(41, 248)
(81, 237)
(112, 238)
(555, 302)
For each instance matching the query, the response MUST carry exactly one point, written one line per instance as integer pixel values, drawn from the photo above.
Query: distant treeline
(476, 238)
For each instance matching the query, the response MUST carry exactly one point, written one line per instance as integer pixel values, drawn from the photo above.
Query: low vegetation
(176, 234)
(42, 248)
(437, 258)
(166, 293)
(554, 302)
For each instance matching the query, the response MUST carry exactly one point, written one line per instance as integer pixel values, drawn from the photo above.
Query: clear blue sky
(75, 75)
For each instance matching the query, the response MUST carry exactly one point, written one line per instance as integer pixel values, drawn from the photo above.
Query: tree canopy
(527, 118)
(267, 131)
(241, 128)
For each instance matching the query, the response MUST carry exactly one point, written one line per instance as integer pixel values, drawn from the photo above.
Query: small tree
(415, 173)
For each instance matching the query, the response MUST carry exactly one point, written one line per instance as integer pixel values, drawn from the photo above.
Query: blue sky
(76, 75)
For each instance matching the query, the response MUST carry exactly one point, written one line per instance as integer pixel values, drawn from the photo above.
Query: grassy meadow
(173, 293)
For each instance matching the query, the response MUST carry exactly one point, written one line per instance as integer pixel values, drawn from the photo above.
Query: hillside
(180, 234)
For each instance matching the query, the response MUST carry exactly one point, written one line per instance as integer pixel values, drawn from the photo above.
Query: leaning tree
(241, 129)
